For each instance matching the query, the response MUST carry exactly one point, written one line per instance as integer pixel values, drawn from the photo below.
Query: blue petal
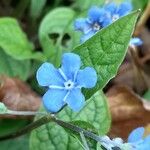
(147, 140)
(124, 8)
(75, 100)
(47, 75)
(87, 77)
(136, 135)
(111, 8)
(95, 13)
(82, 25)
(70, 65)
(143, 147)
(53, 99)
(105, 21)
(136, 41)
(85, 37)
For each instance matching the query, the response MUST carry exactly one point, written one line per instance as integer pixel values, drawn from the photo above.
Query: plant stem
(24, 113)
(86, 147)
(52, 118)
(28, 128)
(78, 130)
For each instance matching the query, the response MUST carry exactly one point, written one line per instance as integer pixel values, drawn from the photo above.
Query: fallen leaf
(136, 79)
(17, 95)
(127, 111)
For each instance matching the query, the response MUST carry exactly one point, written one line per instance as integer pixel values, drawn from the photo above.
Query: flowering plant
(78, 51)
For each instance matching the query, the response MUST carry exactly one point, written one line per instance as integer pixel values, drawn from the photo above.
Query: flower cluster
(99, 18)
(136, 141)
(64, 84)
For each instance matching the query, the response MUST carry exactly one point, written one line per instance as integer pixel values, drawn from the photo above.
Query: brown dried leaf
(127, 111)
(129, 76)
(17, 95)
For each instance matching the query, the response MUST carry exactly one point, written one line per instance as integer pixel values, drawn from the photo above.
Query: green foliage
(14, 41)
(105, 50)
(139, 4)
(12, 67)
(36, 7)
(21, 143)
(56, 34)
(52, 137)
(10, 125)
(85, 4)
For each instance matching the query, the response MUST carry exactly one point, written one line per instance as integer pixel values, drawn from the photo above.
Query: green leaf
(21, 143)
(8, 126)
(106, 50)
(14, 41)
(56, 32)
(53, 137)
(14, 68)
(36, 7)
(86, 4)
(139, 4)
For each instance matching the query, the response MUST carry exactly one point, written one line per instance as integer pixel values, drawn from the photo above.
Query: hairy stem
(24, 113)
(51, 118)
(86, 147)
(28, 128)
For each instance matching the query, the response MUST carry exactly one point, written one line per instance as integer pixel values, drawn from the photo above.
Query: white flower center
(96, 27)
(69, 85)
(115, 17)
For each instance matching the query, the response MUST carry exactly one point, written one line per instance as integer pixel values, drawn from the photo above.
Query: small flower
(136, 41)
(137, 140)
(97, 19)
(65, 83)
(116, 11)
(112, 144)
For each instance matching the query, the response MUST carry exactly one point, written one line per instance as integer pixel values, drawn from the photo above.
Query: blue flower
(136, 41)
(137, 140)
(97, 19)
(116, 11)
(64, 84)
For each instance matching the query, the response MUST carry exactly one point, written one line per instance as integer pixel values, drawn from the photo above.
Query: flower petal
(85, 37)
(136, 135)
(75, 100)
(111, 8)
(147, 140)
(136, 41)
(47, 75)
(124, 8)
(95, 13)
(70, 65)
(53, 99)
(87, 77)
(82, 25)
(105, 20)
